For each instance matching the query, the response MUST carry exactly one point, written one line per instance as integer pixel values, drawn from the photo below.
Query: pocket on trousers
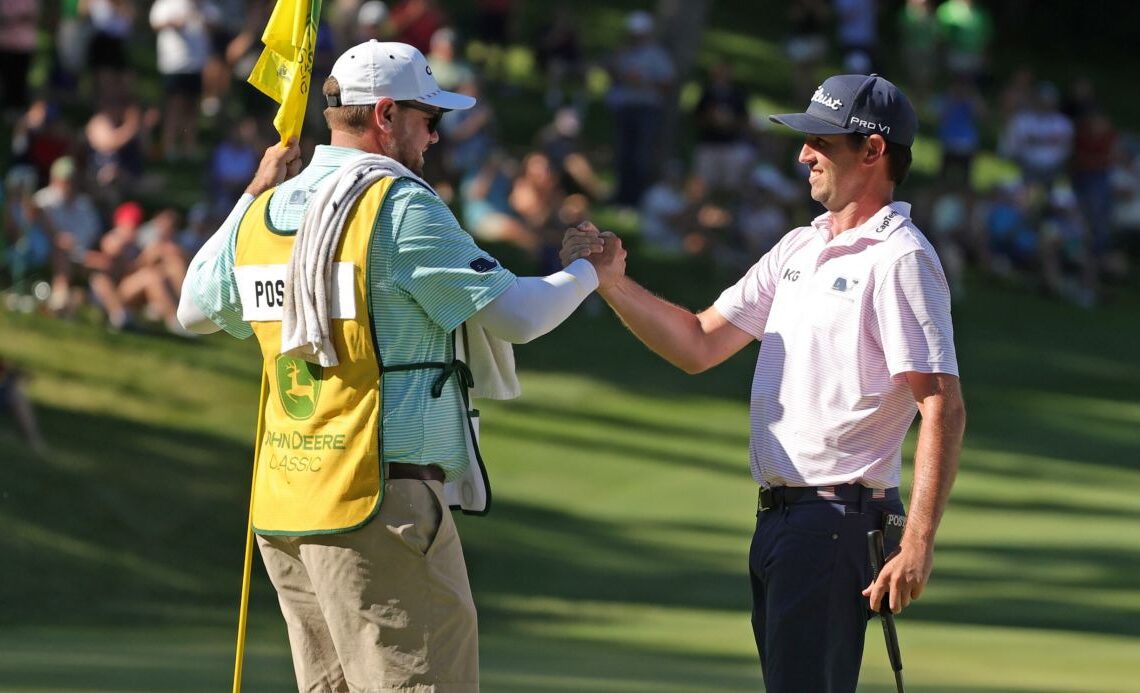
(820, 519)
(412, 511)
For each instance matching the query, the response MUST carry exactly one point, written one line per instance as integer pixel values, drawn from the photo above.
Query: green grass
(614, 557)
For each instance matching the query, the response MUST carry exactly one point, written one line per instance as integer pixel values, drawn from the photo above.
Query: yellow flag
(285, 69)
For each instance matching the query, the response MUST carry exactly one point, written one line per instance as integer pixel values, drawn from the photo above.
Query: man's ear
(383, 113)
(876, 147)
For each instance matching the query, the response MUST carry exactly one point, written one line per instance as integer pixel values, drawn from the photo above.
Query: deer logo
(299, 386)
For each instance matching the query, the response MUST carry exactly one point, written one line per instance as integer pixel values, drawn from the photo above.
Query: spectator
(111, 24)
(371, 23)
(1094, 155)
(856, 23)
(116, 134)
(72, 35)
(160, 250)
(951, 224)
(242, 53)
(415, 21)
(14, 400)
(124, 278)
(642, 76)
(536, 196)
(966, 29)
(77, 227)
(40, 137)
(763, 215)
(26, 236)
(183, 28)
(468, 135)
(1039, 140)
(1017, 95)
(1067, 267)
(199, 226)
(807, 43)
(560, 57)
(486, 203)
(1011, 239)
(232, 164)
(561, 141)
(960, 114)
(18, 22)
(920, 42)
(664, 211)
(113, 262)
(447, 68)
(722, 153)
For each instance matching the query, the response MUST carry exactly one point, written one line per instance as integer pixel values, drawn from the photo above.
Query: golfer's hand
(279, 163)
(903, 577)
(579, 243)
(610, 263)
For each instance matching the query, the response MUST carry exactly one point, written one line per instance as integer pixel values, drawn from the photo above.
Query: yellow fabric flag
(285, 69)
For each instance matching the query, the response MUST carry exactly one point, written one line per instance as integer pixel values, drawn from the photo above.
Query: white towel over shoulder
(305, 326)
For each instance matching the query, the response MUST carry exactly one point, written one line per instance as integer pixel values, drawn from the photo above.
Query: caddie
(375, 313)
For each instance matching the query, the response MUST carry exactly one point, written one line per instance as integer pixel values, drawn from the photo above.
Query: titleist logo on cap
(822, 97)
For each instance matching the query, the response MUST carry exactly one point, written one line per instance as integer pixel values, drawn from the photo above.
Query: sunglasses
(435, 113)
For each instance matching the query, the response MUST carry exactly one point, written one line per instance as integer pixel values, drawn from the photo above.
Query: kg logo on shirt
(483, 264)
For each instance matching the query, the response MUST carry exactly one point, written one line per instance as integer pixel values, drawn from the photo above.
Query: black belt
(423, 472)
(779, 496)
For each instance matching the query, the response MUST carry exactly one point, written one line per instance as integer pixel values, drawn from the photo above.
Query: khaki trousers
(383, 608)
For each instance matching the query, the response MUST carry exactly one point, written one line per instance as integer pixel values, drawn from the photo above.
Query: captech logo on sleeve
(823, 98)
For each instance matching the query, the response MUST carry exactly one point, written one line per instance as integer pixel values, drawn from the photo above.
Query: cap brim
(448, 100)
(809, 124)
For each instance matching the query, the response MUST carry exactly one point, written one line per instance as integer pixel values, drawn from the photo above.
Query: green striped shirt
(426, 277)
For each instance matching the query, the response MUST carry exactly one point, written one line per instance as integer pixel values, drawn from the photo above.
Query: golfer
(361, 289)
(853, 317)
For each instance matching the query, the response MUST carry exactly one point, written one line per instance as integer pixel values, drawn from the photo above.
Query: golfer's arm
(939, 398)
(693, 343)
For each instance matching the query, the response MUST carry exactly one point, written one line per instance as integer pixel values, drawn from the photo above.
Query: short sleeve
(912, 311)
(438, 263)
(747, 303)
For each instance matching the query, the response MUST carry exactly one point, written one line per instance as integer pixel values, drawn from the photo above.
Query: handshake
(602, 248)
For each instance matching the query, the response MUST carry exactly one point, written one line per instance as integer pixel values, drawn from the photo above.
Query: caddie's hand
(279, 163)
(903, 577)
(610, 263)
(578, 243)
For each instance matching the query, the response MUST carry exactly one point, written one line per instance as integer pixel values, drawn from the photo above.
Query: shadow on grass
(122, 521)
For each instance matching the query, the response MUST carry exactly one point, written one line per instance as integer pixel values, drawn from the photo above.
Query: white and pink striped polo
(840, 321)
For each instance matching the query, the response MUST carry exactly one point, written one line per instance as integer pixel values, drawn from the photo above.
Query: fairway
(613, 559)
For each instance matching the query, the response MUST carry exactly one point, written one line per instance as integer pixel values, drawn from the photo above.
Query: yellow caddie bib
(317, 463)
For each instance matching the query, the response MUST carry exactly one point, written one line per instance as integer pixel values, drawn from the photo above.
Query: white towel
(492, 363)
(305, 327)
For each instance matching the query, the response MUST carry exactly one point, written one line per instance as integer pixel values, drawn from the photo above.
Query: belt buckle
(765, 501)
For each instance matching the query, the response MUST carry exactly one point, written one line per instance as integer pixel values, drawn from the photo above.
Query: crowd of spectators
(87, 220)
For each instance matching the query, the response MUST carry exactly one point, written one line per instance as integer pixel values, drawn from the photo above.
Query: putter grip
(876, 553)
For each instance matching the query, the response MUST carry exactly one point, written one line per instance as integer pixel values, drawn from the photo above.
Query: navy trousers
(809, 565)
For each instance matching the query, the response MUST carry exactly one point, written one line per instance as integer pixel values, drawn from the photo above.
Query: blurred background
(614, 558)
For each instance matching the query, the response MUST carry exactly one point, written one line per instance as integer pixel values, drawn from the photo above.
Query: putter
(875, 552)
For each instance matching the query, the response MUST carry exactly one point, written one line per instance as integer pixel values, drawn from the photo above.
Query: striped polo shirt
(427, 277)
(841, 320)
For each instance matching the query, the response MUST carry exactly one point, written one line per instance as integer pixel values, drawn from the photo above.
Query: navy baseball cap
(866, 104)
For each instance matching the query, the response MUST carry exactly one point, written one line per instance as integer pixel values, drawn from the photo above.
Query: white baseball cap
(373, 70)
